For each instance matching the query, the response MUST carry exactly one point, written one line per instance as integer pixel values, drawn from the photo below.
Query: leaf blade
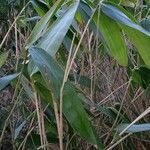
(135, 32)
(72, 106)
(42, 24)
(113, 38)
(53, 38)
(4, 81)
(134, 128)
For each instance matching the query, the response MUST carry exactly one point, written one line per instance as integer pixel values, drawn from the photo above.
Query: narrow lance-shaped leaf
(54, 36)
(40, 6)
(108, 31)
(42, 24)
(113, 12)
(4, 81)
(139, 36)
(112, 35)
(133, 128)
(72, 106)
(141, 42)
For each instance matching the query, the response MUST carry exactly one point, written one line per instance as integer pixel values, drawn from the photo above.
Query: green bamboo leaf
(42, 24)
(139, 36)
(54, 36)
(3, 58)
(109, 36)
(72, 106)
(4, 81)
(133, 128)
(141, 42)
(40, 6)
(120, 15)
(113, 37)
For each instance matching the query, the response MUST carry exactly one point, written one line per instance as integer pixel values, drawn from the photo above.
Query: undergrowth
(74, 75)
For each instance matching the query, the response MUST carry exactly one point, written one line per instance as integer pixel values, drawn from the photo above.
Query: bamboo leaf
(116, 13)
(4, 81)
(72, 106)
(138, 35)
(42, 24)
(133, 128)
(40, 7)
(54, 36)
(108, 31)
(113, 38)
